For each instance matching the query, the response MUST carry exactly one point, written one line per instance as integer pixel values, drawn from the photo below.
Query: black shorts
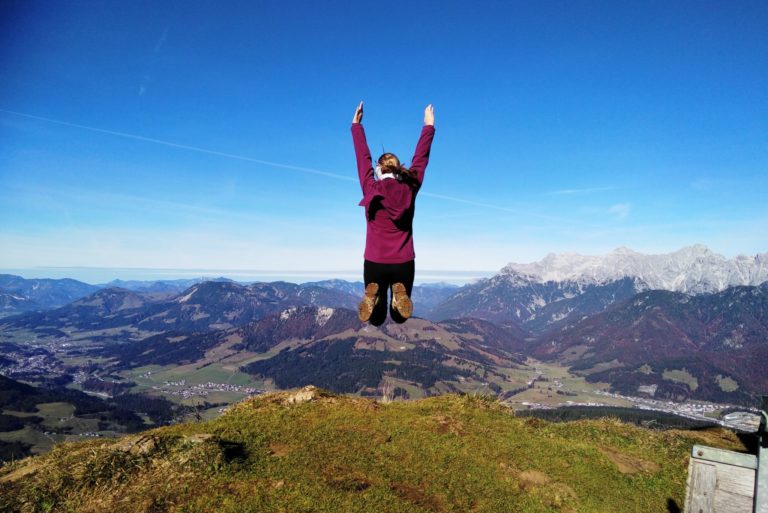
(386, 275)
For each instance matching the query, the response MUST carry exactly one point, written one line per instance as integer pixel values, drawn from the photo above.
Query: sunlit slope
(314, 451)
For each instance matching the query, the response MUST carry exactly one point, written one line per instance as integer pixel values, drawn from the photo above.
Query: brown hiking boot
(370, 299)
(401, 303)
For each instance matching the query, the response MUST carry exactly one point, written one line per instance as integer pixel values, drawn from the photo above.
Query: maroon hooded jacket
(389, 204)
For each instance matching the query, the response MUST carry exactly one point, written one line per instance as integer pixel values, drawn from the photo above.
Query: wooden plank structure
(721, 481)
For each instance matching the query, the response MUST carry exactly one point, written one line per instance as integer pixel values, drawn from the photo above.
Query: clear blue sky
(561, 126)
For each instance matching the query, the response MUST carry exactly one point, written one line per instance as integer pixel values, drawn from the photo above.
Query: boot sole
(400, 301)
(369, 302)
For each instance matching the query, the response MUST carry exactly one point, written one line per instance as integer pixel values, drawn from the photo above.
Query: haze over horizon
(103, 275)
(216, 137)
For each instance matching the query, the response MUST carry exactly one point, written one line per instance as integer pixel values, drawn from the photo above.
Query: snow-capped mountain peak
(693, 269)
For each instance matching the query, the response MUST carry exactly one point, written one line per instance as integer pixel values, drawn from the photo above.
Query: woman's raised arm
(362, 153)
(421, 155)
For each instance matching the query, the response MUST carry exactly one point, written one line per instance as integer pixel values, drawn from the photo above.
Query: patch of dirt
(552, 493)
(345, 479)
(628, 464)
(560, 496)
(17, 474)
(418, 496)
(306, 394)
(448, 425)
(534, 422)
(138, 445)
(533, 478)
(278, 450)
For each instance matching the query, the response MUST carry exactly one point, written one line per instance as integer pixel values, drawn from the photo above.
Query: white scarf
(382, 176)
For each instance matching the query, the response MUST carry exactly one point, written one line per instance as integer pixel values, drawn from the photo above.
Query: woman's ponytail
(405, 175)
(391, 164)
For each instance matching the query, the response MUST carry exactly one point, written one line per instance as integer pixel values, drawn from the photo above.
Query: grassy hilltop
(312, 451)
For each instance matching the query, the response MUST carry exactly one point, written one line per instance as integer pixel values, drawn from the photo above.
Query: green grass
(77, 361)
(545, 392)
(414, 391)
(645, 369)
(342, 454)
(214, 397)
(681, 376)
(51, 414)
(727, 384)
(40, 442)
(61, 415)
(196, 374)
(603, 366)
(54, 411)
(215, 372)
(193, 374)
(57, 417)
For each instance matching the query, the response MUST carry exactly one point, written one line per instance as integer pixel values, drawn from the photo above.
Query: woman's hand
(429, 115)
(358, 117)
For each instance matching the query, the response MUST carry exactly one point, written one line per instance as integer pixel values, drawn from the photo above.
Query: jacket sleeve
(363, 158)
(421, 155)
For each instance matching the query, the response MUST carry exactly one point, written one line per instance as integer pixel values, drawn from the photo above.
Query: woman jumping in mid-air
(389, 198)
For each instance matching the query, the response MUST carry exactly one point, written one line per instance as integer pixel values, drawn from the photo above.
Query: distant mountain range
(531, 306)
(204, 306)
(19, 295)
(559, 289)
(159, 288)
(692, 270)
(686, 324)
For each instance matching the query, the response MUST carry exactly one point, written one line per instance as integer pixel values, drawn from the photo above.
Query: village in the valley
(738, 418)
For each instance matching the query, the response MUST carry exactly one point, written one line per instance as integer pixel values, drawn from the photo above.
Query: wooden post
(761, 481)
(703, 484)
(720, 481)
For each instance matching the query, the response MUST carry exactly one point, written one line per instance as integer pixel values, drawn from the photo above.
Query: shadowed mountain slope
(514, 300)
(330, 346)
(711, 346)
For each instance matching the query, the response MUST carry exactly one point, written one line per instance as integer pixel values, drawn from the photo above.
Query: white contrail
(185, 146)
(310, 170)
(589, 190)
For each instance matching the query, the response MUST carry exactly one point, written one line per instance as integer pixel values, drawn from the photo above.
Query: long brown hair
(391, 164)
